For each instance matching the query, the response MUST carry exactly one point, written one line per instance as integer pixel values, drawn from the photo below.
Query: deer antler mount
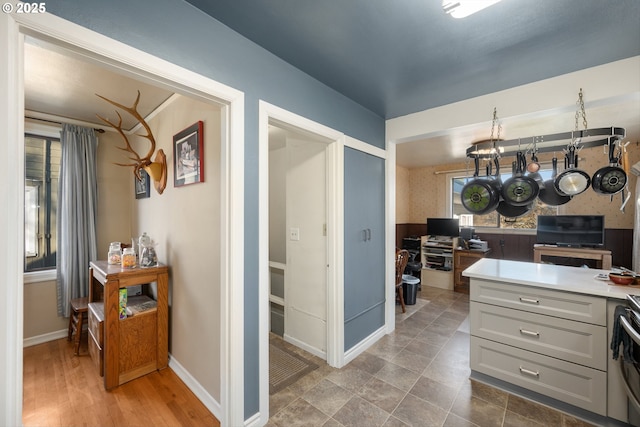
(157, 169)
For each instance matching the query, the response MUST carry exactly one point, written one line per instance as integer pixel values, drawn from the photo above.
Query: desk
(137, 345)
(603, 257)
(463, 258)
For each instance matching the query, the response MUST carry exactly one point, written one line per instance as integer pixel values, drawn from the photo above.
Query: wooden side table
(602, 256)
(137, 345)
(463, 258)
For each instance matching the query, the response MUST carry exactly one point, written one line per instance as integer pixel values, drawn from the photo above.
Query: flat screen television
(571, 230)
(449, 227)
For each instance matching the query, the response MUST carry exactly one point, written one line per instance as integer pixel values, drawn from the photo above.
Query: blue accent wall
(181, 34)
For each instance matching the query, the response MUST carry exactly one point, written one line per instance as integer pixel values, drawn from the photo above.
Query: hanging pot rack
(586, 138)
(572, 181)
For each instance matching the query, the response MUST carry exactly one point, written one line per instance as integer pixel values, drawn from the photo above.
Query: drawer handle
(530, 333)
(529, 300)
(529, 372)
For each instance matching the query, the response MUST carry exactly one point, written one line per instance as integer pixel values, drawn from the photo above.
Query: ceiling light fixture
(464, 8)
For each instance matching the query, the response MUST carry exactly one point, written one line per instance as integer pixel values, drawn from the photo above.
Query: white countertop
(569, 279)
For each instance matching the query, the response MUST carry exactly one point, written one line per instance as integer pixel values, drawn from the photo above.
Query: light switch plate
(294, 234)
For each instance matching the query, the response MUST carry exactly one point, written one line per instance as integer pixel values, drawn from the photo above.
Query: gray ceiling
(393, 56)
(397, 57)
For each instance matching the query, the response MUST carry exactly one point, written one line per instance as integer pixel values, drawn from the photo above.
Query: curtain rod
(58, 123)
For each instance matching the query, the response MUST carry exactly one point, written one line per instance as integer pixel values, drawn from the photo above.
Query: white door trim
(390, 221)
(11, 223)
(113, 54)
(335, 240)
(356, 144)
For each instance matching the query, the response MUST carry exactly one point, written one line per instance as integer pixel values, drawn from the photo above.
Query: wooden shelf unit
(436, 254)
(137, 345)
(602, 256)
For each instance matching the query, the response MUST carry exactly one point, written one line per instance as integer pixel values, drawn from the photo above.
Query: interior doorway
(225, 401)
(308, 247)
(298, 237)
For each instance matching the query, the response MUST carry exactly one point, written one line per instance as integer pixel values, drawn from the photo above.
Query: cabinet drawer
(582, 308)
(574, 384)
(96, 322)
(96, 353)
(576, 342)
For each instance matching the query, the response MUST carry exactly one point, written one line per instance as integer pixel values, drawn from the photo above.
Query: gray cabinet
(550, 342)
(364, 245)
(561, 338)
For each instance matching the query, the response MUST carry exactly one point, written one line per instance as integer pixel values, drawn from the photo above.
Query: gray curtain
(77, 208)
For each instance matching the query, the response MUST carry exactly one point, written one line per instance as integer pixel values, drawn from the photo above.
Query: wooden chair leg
(79, 331)
(401, 295)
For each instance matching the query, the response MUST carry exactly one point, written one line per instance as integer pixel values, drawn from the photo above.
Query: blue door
(364, 240)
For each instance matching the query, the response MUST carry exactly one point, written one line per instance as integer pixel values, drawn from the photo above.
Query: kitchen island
(543, 331)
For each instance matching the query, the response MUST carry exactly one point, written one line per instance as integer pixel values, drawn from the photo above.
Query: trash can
(409, 288)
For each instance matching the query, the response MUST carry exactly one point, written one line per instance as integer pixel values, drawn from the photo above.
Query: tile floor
(417, 376)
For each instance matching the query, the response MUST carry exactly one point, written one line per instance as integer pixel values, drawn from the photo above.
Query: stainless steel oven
(630, 372)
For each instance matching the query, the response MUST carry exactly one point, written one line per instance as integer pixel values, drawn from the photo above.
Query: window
(494, 219)
(42, 167)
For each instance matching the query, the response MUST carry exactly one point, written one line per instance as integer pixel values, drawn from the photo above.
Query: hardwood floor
(63, 390)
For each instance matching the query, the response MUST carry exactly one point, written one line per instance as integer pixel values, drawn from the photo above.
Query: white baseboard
(197, 389)
(363, 345)
(315, 351)
(254, 421)
(40, 339)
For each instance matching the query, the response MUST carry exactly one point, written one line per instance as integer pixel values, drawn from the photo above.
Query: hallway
(417, 376)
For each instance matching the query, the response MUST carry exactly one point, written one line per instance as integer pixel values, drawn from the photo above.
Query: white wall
(297, 181)
(185, 223)
(41, 311)
(277, 213)
(115, 194)
(306, 276)
(609, 81)
(277, 203)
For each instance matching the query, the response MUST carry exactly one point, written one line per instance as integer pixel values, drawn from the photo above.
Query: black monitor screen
(571, 230)
(443, 227)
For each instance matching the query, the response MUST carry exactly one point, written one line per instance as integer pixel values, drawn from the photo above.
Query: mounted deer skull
(157, 169)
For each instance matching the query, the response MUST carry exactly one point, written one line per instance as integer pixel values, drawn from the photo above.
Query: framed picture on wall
(142, 186)
(188, 156)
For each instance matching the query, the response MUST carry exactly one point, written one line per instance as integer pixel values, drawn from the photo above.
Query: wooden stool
(79, 310)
